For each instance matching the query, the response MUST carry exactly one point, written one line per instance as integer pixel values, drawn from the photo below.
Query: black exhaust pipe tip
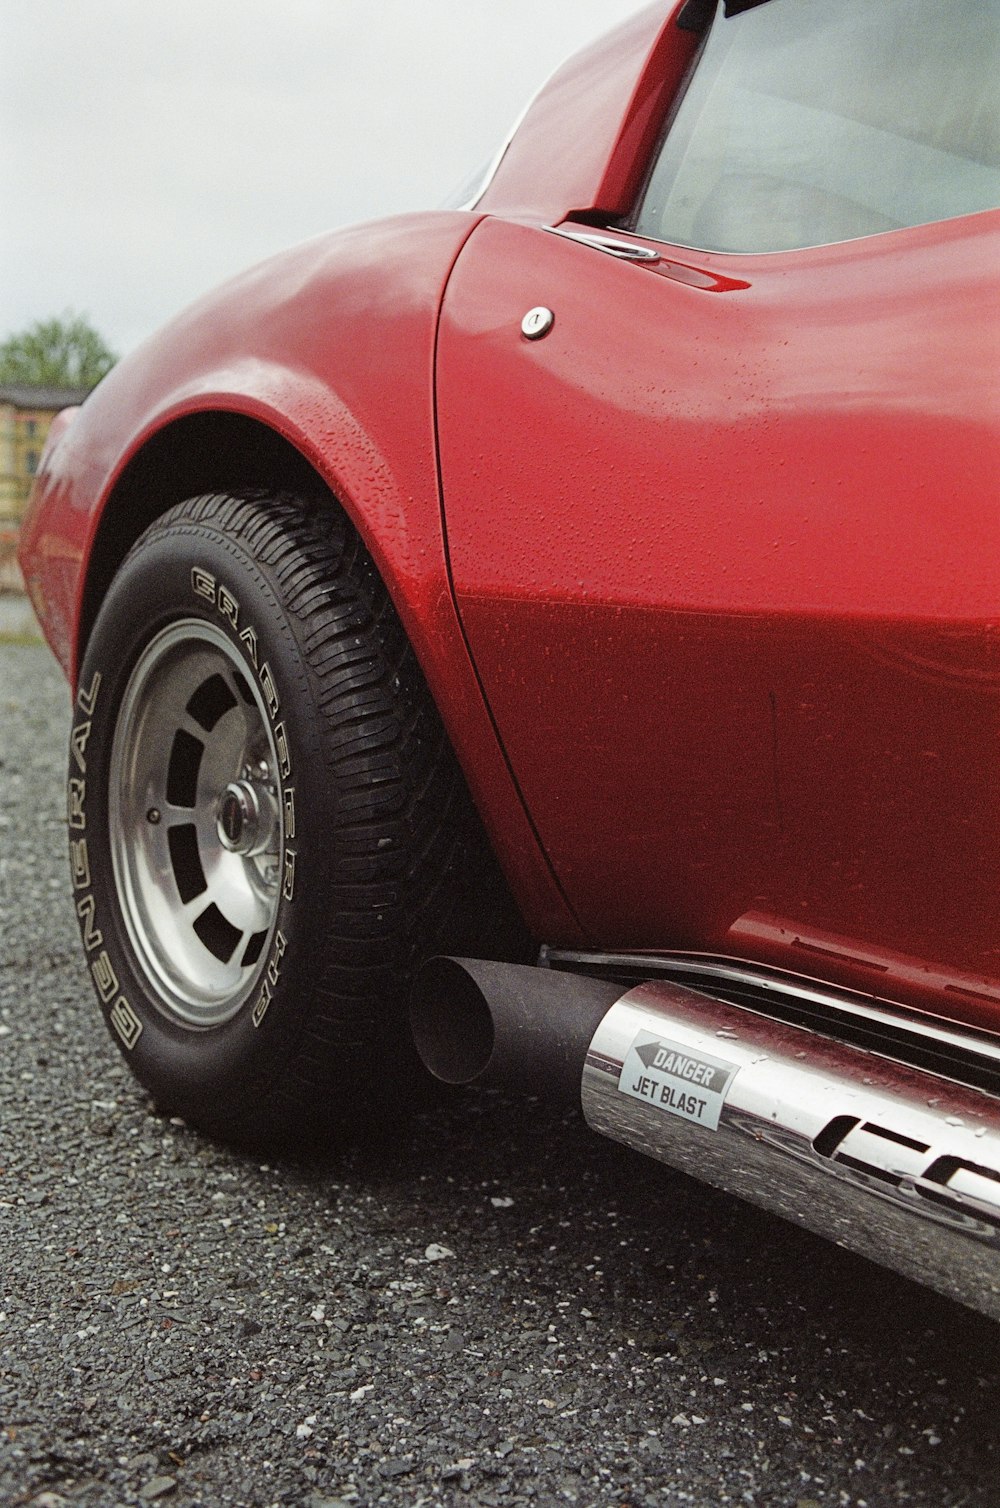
(508, 1025)
(451, 1022)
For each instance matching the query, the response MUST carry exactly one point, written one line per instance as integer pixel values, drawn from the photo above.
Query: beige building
(25, 416)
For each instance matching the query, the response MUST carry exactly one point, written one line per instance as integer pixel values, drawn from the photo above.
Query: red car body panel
(577, 150)
(305, 343)
(725, 554)
(312, 345)
(761, 720)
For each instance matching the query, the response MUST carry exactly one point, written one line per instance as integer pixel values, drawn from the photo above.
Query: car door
(723, 536)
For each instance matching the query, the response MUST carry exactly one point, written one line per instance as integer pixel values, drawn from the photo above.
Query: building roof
(19, 395)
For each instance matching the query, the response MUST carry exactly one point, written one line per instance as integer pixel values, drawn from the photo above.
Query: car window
(813, 121)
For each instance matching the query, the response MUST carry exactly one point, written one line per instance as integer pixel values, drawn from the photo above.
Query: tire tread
(414, 871)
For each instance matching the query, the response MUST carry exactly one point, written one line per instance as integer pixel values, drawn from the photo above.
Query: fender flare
(342, 334)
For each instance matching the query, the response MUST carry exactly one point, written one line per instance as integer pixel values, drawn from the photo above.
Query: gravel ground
(17, 621)
(502, 1309)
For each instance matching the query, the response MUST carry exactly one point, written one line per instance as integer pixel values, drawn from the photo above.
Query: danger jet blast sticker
(676, 1079)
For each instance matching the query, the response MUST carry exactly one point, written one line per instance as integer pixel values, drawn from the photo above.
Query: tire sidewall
(184, 569)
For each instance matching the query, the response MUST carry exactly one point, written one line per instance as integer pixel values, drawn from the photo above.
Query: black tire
(318, 845)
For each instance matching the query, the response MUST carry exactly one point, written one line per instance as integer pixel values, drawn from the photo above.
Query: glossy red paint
(584, 142)
(723, 545)
(311, 344)
(725, 554)
(302, 343)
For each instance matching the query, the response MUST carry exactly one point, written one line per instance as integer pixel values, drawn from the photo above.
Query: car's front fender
(331, 347)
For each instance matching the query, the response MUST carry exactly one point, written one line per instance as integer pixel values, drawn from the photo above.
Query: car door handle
(627, 251)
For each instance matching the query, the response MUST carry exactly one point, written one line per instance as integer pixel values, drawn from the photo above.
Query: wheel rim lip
(188, 983)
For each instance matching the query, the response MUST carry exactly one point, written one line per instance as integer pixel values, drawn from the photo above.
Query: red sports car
(599, 579)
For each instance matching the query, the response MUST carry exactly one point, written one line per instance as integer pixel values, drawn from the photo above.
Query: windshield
(808, 122)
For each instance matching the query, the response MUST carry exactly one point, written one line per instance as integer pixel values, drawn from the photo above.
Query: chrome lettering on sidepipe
(890, 1160)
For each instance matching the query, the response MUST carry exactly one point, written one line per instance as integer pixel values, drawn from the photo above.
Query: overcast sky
(150, 148)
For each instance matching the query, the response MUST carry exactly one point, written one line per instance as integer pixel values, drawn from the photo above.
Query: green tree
(62, 352)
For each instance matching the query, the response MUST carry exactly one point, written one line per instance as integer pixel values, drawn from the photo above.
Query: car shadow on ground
(688, 1274)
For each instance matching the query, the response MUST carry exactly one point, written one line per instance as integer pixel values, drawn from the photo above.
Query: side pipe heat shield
(885, 1159)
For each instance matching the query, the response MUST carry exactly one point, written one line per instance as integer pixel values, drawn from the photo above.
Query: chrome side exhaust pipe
(885, 1159)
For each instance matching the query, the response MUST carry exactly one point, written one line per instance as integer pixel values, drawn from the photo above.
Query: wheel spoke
(198, 911)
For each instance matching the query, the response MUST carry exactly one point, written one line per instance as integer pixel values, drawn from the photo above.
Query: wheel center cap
(238, 817)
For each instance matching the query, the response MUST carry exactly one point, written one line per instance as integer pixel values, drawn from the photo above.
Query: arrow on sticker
(647, 1053)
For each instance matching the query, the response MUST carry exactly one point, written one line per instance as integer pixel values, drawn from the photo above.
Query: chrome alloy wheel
(195, 822)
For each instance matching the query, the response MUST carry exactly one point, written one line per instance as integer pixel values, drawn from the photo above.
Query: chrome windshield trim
(628, 251)
(493, 166)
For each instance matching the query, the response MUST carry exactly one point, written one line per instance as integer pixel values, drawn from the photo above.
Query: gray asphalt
(17, 621)
(499, 1309)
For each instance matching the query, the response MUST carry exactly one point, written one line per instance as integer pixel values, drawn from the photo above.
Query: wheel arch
(198, 452)
(316, 366)
(228, 450)
(315, 445)
(281, 381)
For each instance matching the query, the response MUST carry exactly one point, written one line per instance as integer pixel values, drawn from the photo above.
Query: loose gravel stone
(600, 1332)
(158, 1487)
